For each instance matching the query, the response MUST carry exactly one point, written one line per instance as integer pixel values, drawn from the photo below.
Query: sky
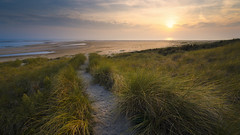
(120, 19)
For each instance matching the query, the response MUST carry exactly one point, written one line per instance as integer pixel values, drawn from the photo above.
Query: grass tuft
(43, 97)
(153, 108)
(191, 89)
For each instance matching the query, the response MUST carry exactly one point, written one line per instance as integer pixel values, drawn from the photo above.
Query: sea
(7, 43)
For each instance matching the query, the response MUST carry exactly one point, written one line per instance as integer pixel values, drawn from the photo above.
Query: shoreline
(70, 48)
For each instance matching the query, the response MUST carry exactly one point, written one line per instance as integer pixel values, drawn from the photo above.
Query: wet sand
(71, 48)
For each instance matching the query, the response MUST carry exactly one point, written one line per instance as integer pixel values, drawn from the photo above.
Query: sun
(170, 23)
(169, 38)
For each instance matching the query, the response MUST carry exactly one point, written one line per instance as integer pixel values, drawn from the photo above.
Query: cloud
(120, 14)
(209, 25)
(198, 25)
(104, 9)
(59, 20)
(234, 24)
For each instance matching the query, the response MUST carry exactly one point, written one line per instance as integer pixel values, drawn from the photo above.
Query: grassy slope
(183, 90)
(43, 97)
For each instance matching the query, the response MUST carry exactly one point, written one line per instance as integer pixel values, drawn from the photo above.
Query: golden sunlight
(169, 38)
(170, 23)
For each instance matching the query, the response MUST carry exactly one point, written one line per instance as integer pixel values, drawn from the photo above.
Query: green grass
(192, 89)
(43, 96)
(20, 90)
(69, 109)
(104, 73)
(154, 108)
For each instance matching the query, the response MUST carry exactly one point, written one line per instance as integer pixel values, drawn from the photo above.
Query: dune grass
(68, 109)
(42, 96)
(104, 73)
(176, 90)
(154, 108)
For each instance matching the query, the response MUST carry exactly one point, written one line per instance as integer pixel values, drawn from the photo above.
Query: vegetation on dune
(176, 90)
(191, 89)
(69, 109)
(189, 47)
(154, 108)
(79, 59)
(21, 91)
(43, 96)
(104, 73)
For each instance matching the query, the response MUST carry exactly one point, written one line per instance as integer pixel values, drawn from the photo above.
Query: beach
(193, 86)
(60, 49)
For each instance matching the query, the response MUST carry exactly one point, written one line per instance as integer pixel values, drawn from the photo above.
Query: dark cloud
(52, 11)
(237, 5)
(53, 6)
(58, 20)
(234, 24)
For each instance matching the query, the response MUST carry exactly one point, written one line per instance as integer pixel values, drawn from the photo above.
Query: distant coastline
(25, 54)
(21, 49)
(19, 43)
(10, 43)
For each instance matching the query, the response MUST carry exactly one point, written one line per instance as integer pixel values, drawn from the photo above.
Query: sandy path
(104, 105)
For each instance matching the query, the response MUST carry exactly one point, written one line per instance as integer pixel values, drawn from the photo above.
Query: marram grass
(153, 108)
(69, 111)
(43, 96)
(192, 89)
